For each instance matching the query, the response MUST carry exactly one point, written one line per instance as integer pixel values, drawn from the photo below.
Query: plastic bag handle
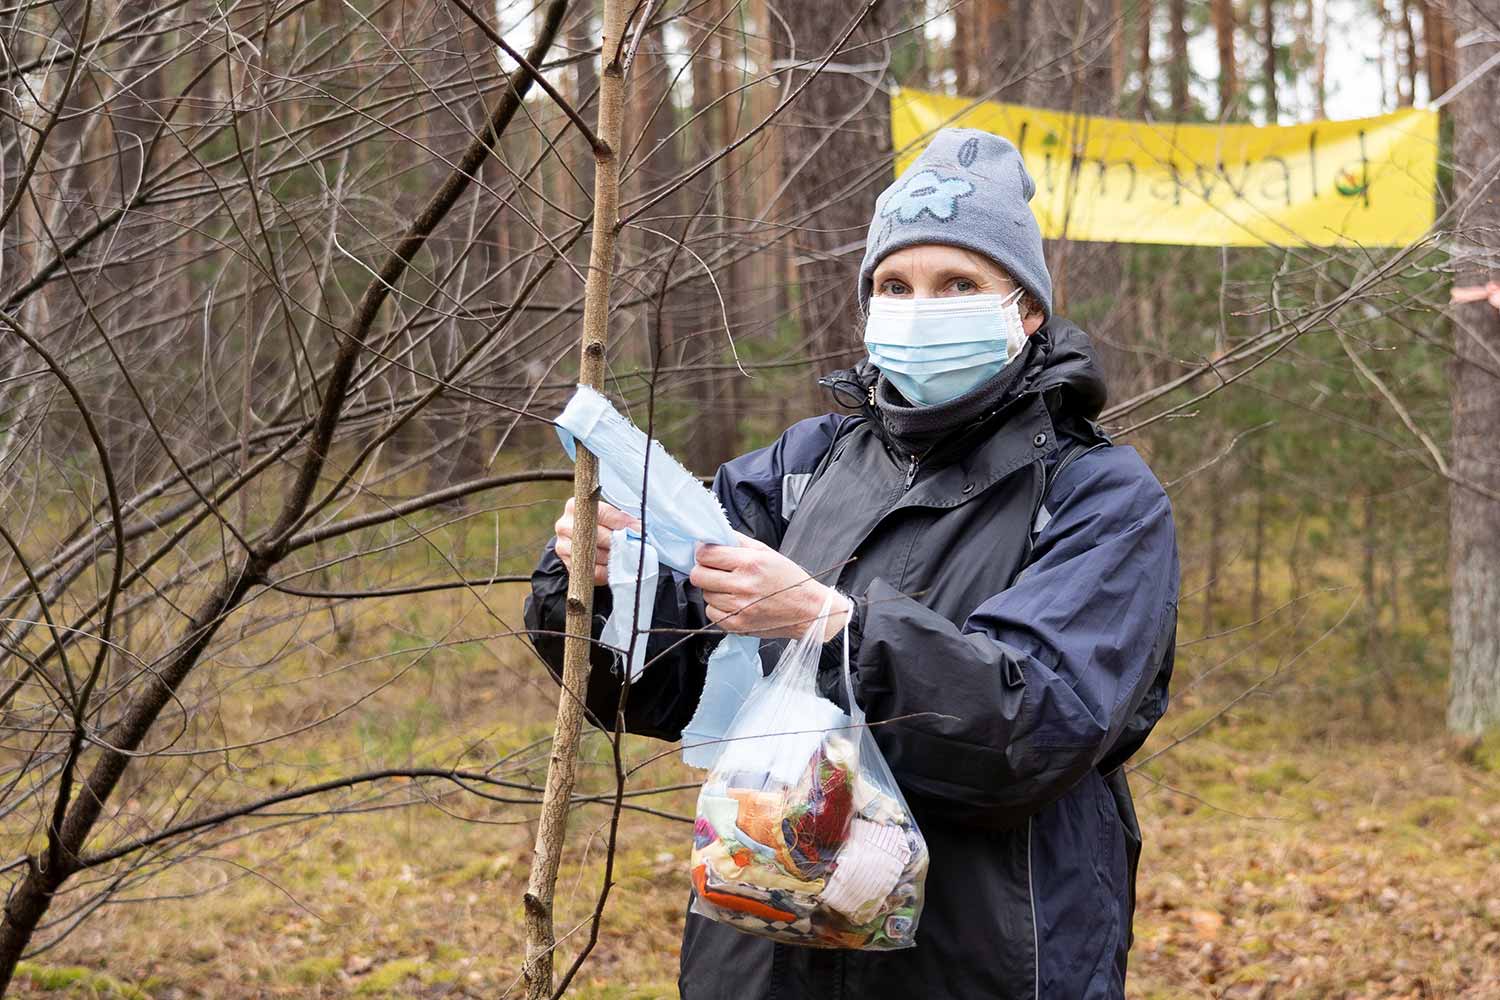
(855, 712)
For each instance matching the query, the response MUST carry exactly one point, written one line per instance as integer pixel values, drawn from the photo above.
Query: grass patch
(313, 970)
(1439, 810)
(1277, 777)
(1487, 754)
(392, 975)
(77, 980)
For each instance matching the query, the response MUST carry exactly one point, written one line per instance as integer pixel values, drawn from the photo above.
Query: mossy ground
(1319, 839)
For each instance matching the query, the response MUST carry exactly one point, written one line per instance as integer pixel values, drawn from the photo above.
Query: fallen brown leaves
(1374, 881)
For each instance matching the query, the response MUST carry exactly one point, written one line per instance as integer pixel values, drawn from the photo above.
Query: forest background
(290, 289)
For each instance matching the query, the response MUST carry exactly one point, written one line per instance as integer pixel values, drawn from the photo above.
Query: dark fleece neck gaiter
(914, 430)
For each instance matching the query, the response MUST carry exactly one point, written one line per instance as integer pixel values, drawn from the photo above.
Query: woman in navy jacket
(1012, 585)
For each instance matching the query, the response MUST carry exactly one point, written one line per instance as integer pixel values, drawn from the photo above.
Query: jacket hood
(1060, 355)
(1067, 360)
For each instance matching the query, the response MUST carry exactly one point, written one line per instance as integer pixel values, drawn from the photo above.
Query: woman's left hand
(753, 589)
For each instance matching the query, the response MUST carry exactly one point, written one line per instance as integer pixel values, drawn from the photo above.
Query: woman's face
(931, 270)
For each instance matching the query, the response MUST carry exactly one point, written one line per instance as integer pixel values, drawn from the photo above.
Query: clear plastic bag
(801, 833)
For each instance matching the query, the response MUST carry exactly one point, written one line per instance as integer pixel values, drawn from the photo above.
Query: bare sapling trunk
(561, 767)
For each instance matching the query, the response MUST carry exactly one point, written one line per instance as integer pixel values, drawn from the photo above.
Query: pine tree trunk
(1074, 74)
(737, 284)
(1213, 545)
(703, 342)
(1117, 56)
(837, 151)
(999, 65)
(1474, 530)
(1409, 53)
(655, 163)
(1143, 57)
(1268, 26)
(1256, 580)
(1438, 40)
(1320, 59)
(966, 18)
(1223, 15)
(1177, 12)
(1369, 578)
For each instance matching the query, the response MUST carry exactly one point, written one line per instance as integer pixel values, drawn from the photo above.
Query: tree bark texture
(561, 767)
(1178, 70)
(1474, 530)
(837, 152)
(1268, 56)
(1074, 73)
(1223, 14)
(1438, 40)
(1143, 57)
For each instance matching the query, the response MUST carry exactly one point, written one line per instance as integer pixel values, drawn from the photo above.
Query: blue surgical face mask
(936, 349)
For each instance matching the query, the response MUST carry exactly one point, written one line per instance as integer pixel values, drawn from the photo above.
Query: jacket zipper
(911, 466)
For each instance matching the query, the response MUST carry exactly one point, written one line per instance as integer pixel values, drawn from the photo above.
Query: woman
(1012, 586)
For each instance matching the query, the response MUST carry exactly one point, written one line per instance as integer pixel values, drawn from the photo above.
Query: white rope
(1463, 84)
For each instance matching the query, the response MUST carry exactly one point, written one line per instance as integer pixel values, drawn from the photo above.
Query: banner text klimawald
(1367, 182)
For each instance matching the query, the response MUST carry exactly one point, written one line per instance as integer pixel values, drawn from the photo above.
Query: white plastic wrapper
(678, 513)
(627, 554)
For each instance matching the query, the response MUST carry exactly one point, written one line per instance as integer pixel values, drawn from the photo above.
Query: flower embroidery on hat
(926, 192)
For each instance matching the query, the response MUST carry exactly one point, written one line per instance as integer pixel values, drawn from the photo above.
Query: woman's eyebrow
(949, 273)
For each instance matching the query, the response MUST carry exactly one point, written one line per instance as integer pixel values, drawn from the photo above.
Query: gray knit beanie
(967, 189)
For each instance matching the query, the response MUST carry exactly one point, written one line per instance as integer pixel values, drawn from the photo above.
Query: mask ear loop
(1015, 333)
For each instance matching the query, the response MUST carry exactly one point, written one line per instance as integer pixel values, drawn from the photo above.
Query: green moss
(391, 975)
(53, 978)
(1439, 810)
(1203, 762)
(447, 953)
(1487, 754)
(1277, 777)
(313, 970)
(76, 978)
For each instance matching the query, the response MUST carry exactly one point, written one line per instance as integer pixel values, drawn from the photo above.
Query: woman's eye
(964, 285)
(893, 287)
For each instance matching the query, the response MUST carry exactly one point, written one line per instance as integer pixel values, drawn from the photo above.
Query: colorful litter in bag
(801, 832)
(679, 512)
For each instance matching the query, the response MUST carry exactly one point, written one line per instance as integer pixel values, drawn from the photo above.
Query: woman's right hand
(609, 519)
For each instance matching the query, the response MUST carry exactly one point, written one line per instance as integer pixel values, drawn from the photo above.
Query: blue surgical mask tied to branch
(937, 349)
(676, 512)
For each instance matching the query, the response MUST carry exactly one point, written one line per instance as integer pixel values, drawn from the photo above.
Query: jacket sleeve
(752, 489)
(1046, 679)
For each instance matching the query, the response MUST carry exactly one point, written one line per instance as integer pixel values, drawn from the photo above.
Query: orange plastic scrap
(759, 816)
(728, 901)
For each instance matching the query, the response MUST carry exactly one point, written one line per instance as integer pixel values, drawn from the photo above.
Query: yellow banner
(1366, 182)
